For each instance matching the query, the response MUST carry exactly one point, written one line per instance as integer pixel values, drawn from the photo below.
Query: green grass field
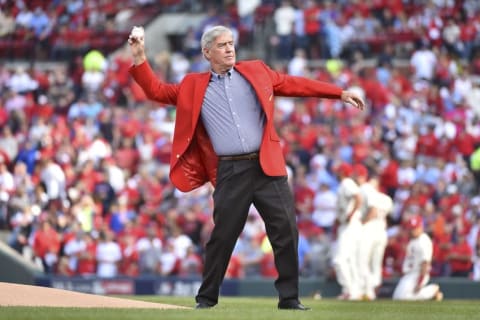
(261, 308)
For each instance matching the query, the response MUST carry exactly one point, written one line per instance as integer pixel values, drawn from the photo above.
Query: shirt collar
(216, 76)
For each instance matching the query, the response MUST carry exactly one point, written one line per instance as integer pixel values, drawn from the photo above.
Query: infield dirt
(35, 296)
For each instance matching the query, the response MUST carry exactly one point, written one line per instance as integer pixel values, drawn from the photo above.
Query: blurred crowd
(38, 30)
(84, 186)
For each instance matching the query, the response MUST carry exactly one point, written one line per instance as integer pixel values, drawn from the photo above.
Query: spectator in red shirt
(388, 175)
(46, 245)
(80, 39)
(191, 224)
(311, 14)
(86, 259)
(191, 264)
(419, 196)
(361, 148)
(441, 248)
(129, 265)
(468, 34)
(267, 266)
(303, 195)
(88, 175)
(394, 254)
(460, 257)
(427, 143)
(127, 156)
(376, 93)
(235, 268)
(464, 142)
(399, 84)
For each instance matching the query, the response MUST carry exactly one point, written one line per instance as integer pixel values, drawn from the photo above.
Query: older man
(224, 134)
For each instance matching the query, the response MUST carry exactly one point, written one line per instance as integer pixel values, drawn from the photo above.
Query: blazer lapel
(200, 87)
(262, 88)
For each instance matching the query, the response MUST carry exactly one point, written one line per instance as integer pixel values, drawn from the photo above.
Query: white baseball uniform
(419, 250)
(345, 260)
(108, 255)
(476, 267)
(374, 238)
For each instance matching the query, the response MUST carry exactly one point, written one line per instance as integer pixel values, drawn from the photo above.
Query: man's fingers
(353, 99)
(353, 102)
(135, 38)
(135, 41)
(136, 35)
(356, 102)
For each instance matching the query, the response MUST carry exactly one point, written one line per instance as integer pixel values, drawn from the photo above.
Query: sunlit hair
(211, 34)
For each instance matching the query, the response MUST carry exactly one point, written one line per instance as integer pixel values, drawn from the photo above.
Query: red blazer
(193, 161)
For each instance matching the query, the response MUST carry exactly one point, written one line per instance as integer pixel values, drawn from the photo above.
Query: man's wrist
(138, 60)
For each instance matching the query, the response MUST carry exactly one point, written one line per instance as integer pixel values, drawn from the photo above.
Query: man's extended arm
(143, 74)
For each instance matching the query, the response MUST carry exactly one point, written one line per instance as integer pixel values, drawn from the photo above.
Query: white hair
(211, 34)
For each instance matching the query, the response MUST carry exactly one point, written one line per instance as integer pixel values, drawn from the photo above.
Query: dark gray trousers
(239, 184)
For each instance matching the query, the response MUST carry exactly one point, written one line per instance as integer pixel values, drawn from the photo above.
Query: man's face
(416, 232)
(221, 53)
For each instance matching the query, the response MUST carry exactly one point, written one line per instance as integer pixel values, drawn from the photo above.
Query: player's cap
(360, 170)
(344, 169)
(414, 222)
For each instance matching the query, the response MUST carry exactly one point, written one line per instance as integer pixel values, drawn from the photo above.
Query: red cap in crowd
(344, 169)
(360, 170)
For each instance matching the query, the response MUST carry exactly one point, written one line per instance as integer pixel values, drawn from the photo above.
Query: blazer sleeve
(154, 89)
(293, 86)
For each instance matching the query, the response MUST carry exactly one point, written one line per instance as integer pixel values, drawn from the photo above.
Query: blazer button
(178, 156)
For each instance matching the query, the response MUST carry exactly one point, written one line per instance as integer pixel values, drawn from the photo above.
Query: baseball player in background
(345, 260)
(374, 210)
(416, 266)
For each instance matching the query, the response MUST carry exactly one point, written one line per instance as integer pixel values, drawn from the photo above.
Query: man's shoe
(292, 305)
(202, 305)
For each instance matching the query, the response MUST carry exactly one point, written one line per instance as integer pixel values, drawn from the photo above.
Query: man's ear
(206, 54)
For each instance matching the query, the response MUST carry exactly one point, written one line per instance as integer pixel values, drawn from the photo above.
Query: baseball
(138, 32)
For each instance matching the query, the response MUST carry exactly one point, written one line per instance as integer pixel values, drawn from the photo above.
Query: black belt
(246, 156)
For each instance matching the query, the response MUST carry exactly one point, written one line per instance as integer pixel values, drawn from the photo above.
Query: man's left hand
(353, 98)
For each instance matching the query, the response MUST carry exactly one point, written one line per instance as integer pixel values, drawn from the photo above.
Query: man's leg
(377, 259)
(405, 287)
(341, 263)
(232, 199)
(274, 201)
(365, 249)
(428, 292)
(354, 236)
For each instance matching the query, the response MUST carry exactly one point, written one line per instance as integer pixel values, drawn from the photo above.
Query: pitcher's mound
(34, 296)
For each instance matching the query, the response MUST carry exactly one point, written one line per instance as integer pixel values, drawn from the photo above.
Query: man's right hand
(136, 40)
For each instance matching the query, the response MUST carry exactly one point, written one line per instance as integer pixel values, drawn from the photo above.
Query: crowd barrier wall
(15, 269)
(453, 288)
